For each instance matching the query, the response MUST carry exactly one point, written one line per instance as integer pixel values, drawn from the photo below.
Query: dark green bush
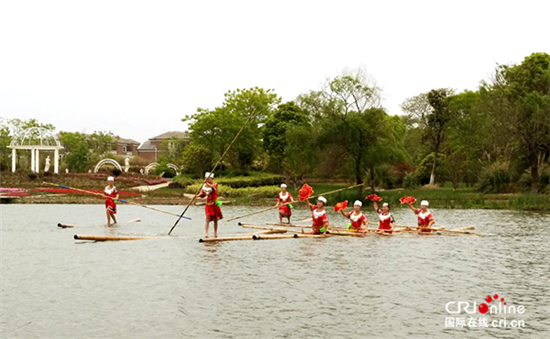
(495, 178)
(411, 180)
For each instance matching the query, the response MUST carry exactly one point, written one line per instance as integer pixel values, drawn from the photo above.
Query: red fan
(305, 192)
(373, 197)
(407, 200)
(340, 206)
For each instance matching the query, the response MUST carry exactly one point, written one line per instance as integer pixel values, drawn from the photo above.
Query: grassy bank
(264, 192)
(443, 197)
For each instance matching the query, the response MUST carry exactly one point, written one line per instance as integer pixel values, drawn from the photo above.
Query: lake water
(339, 287)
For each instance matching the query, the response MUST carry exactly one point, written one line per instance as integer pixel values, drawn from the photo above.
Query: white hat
(322, 199)
(357, 203)
(385, 204)
(209, 175)
(283, 185)
(110, 179)
(425, 203)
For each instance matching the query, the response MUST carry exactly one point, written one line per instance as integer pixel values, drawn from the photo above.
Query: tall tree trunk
(432, 175)
(358, 178)
(372, 178)
(534, 174)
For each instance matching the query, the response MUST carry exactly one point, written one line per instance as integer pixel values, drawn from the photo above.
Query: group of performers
(358, 222)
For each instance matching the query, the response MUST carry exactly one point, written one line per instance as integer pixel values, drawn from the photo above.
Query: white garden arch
(35, 139)
(150, 167)
(175, 168)
(107, 161)
(155, 164)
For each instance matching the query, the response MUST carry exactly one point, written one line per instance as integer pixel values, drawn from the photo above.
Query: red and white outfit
(284, 199)
(213, 211)
(111, 193)
(384, 220)
(424, 218)
(357, 221)
(319, 219)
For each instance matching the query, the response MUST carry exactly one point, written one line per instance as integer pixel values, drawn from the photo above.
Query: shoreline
(488, 204)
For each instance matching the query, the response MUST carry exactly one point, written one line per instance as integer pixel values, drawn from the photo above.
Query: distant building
(166, 142)
(126, 147)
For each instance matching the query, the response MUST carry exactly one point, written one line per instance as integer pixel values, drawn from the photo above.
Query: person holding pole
(212, 209)
(111, 194)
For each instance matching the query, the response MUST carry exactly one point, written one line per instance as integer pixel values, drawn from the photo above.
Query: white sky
(137, 67)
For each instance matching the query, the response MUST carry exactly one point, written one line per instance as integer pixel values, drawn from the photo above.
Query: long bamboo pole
(121, 200)
(109, 238)
(212, 171)
(273, 207)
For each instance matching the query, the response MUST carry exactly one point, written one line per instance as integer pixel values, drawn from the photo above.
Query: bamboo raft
(110, 238)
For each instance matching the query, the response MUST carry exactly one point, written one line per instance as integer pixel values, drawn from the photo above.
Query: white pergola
(35, 139)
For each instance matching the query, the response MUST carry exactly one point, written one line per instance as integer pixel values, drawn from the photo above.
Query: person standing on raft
(356, 217)
(425, 216)
(284, 200)
(212, 208)
(386, 222)
(111, 194)
(319, 217)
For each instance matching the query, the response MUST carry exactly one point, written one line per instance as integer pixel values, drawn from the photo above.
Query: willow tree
(348, 110)
(518, 100)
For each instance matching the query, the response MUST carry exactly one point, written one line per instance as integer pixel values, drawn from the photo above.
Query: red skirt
(213, 212)
(110, 205)
(285, 211)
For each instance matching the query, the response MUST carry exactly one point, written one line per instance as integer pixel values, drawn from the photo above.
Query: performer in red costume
(212, 208)
(111, 194)
(284, 200)
(386, 222)
(425, 216)
(319, 216)
(356, 217)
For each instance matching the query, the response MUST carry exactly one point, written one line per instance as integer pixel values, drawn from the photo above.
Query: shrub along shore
(257, 189)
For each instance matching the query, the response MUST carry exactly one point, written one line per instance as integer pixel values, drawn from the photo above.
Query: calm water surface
(341, 287)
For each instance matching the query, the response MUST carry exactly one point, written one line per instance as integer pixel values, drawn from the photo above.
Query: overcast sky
(137, 67)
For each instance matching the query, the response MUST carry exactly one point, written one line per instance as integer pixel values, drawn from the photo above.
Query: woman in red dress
(356, 217)
(212, 208)
(319, 216)
(283, 202)
(386, 222)
(111, 194)
(425, 216)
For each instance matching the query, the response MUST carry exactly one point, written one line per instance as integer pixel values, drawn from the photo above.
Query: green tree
(217, 127)
(274, 130)
(429, 111)
(518, 100)
(346, 110)
(77, 154)
(101, 142)
(197, 159)
(300, 153)
(5, 152)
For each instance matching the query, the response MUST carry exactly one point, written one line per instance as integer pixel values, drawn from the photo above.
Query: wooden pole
(211, 171)
(64, 225)
(121, 200)
(109, 238)
(249, 237)
(273, 207)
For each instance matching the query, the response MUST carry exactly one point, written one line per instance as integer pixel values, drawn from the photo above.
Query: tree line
(496, 137)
